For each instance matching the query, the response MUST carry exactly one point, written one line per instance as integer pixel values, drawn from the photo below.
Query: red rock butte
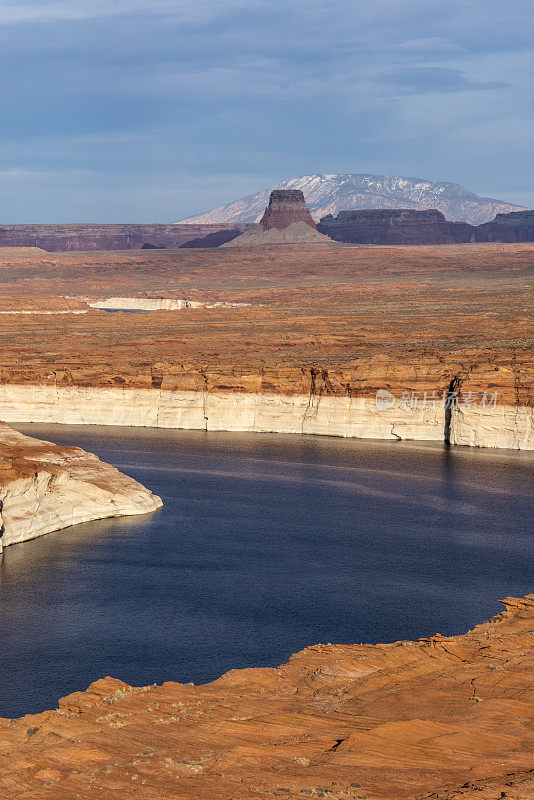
(286, 206)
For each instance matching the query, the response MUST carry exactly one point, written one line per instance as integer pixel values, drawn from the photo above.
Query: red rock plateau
(374, 226)
(335, 321)
(286, 206)
(75, 237)
(447, 718)
(399, 226)
(407, 226)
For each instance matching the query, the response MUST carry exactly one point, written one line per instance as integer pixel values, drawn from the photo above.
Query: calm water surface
(265, 544)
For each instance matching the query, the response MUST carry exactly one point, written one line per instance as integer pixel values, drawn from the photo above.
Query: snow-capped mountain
(328, 194)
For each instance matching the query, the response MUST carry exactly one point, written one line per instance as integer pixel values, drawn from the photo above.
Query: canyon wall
(505, 426)
(395, 226)
(149, 304)
(412, 227)
(365, 226)
(518, 226)
(74, 237)
(44, 488)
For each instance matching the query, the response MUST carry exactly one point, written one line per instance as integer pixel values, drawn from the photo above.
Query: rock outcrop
(518, 226)
(68, 238)
(399, 226)
(44, 488)
(445, 717)
(285, 207)
(295, 233)
(286, 220)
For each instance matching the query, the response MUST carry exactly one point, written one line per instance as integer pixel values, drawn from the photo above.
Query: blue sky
(136, 111)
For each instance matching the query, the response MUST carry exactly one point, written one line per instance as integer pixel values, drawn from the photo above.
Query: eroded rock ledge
(443, 718)
(44, 487)
(505, 426)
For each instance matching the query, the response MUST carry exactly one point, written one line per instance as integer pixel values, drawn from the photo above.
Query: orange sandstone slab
(444, 717)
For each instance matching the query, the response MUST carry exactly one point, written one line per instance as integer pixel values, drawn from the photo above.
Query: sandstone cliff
(502, 425)
(68, 238)
(282, 339)
(408, 227)
(447, 718)
(399, 226)
(284, 208)
(369, 226)
(518, 226)
(44, 488)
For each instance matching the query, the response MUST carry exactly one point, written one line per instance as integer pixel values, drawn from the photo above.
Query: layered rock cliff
(44, 488)
(518, 226)
(402, 226)
(285, 207)
(308, 337)
(68, 238)
(376, 226)
(491, 425)
(447, 718)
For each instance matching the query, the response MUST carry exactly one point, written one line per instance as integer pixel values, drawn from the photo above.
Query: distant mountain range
(329, 194)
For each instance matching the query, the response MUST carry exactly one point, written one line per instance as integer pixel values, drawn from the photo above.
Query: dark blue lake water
(266, 543)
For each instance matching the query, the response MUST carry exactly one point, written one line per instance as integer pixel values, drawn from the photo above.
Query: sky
(137, 111)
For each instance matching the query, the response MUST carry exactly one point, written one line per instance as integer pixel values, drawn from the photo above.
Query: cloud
(15, 11)
(270, 88)
(422, 80)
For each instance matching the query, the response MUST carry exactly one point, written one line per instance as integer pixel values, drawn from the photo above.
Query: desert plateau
(300, 338)
(266, 400)
(295, 338)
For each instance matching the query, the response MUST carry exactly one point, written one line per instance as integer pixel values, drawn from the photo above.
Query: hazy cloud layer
(151, 111)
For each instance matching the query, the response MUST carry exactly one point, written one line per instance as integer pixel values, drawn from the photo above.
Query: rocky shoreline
(44, 488)
(500, 426)
(445, 718)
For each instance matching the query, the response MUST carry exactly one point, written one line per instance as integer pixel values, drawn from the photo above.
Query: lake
(265, 544)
